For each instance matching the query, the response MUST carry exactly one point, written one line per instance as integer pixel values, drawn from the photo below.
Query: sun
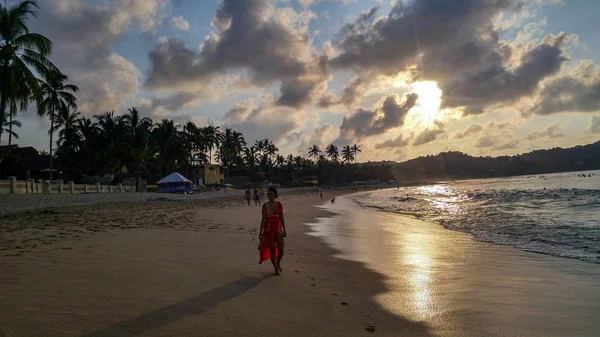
(430, 99)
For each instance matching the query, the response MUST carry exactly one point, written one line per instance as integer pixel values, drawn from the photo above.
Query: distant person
(333, 201)
(321, 194)
(248, 196)
(272, 231)
(256, 197)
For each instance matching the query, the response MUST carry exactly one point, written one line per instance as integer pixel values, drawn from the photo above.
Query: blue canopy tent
(174, 183)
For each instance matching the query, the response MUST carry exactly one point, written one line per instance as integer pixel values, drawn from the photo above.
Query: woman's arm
(262, 221)
(282, 219)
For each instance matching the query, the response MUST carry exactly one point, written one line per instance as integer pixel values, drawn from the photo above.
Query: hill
(457, 165)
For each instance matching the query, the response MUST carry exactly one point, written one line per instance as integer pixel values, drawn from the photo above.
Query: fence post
(120, 187)
(13, 185)
(72, 186)
(85, 188)
(60, 188)
(98, 188)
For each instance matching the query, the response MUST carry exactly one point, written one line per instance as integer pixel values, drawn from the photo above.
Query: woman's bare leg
(280, 245)
(274, 257)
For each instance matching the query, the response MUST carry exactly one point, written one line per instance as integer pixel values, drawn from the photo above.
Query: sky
(400, 78)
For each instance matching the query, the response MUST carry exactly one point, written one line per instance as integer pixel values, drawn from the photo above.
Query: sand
(172, 268)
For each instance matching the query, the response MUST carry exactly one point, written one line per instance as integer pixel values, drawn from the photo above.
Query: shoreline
(462, 287)
(192, 273)
(190, 269)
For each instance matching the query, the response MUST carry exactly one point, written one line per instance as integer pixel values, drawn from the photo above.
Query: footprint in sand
(371, 328)
(344, 304)
(296, 271)
(313, 285)
(334, 294)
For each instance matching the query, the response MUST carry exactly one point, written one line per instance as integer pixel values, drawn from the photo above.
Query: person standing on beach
(256, 197)
(248, 196)
(272, 231)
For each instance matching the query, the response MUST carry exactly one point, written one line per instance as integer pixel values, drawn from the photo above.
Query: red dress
(272, 227)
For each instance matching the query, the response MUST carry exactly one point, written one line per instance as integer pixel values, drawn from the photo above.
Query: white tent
(173, 178)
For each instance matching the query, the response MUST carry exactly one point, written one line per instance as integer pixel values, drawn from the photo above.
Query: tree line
(130, 145)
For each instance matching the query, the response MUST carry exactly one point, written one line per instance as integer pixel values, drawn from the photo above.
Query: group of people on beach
(255, 195)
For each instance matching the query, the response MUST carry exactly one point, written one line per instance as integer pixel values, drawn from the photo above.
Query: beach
(189, 268)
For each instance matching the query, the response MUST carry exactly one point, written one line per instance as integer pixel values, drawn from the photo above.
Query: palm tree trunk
(4, 94)
(51, 134)
(10, 130)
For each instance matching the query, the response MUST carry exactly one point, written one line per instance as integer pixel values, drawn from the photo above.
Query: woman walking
(272, 231)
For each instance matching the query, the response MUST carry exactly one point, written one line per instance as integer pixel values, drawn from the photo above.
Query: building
(25, 163)
(204, 173)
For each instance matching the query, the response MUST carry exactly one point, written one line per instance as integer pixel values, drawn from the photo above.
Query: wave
(554, 221)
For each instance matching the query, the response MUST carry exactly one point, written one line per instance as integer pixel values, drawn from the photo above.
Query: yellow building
(208, 174)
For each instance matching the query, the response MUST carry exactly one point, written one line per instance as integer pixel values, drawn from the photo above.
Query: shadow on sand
(169, 314)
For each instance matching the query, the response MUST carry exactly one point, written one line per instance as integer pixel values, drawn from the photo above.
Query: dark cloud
(393, 143)
(594, 125)
(496, 142)
(390, 113)
(249, 40)
(499, 84)
(429, 135)
(509, 145)
(551, 131)
(471, 130)
(453, 43)
(578, 91)
(488, 141)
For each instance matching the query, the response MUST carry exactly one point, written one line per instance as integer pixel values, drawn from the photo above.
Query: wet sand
(190, 269)
(460, 287)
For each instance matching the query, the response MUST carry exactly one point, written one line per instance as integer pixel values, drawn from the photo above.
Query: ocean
(556, 214)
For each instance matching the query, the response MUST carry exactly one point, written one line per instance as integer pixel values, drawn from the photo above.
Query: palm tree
(111, 131)
(67, 124)
(18, 100)
(19, 50)
(7, 126)
(347, 154)
(57, 97)
(355, 149)
(333, 152)
(168, 142)
(137, 131)
(314, 151)
(212, 138)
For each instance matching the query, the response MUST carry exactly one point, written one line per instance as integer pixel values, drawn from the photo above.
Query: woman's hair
(274, 190)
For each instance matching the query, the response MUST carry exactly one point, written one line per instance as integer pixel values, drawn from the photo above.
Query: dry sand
(180, 269)
(190, 269)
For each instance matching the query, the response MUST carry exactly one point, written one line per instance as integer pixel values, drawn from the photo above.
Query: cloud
(266, 44)
(397, 142)
(320, 136)
(453, 43)
(306, 3)
(577, 91)
(594, 125)
(389, 113)
(83, 34)
(429, 135)
(551, 131)
(180, 23)
(264, 121)
(471, 130)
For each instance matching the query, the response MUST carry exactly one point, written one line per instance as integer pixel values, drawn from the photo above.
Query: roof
(4, 150)
(25, 150)
(173, 178)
